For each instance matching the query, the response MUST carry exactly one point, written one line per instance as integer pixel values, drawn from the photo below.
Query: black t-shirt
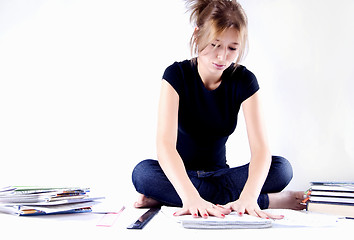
(206, 118)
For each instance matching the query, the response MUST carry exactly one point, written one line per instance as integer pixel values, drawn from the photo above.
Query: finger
(203, 213)
(181, 212)
(186, 211)
(226, 206)
(252, 213)
(194, 213)
(275, 217)
(216, 212)
(240, 211)
(267, 215)
(262, 214)
(232, 207)
(223, 210)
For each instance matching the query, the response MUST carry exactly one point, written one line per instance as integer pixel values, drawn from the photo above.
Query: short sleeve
(173, 75)
(247, 86)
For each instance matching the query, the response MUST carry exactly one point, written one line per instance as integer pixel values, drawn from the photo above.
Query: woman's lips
(219, 66)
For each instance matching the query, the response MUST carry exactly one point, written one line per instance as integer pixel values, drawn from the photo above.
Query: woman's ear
(195, 33)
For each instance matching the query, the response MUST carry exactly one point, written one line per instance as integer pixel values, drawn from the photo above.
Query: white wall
(302, 53)
(79, 85)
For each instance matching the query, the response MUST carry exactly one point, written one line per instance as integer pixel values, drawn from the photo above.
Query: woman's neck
(210, 81)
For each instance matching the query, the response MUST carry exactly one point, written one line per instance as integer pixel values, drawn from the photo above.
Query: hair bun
(196, 7)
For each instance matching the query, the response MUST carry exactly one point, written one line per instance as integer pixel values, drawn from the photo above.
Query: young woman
(199, 103)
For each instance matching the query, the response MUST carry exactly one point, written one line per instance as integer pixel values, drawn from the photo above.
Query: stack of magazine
(30, 201)
(335, 198)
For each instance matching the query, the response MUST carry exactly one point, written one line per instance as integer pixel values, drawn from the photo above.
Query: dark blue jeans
(219, 187)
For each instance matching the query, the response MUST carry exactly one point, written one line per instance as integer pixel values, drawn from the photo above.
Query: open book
(231, 221)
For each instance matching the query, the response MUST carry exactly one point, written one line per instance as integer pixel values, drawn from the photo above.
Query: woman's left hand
(249, 206)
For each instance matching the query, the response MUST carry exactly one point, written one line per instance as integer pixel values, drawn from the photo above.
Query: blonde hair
(212, 18)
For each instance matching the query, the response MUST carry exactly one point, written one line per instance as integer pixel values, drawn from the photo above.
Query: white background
(79, 87)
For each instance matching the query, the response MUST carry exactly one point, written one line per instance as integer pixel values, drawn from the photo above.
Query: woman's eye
(232, 49)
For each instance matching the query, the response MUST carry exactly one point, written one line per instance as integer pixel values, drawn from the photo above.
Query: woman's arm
(260, 159)
(258, 142)
(171, 162)
(167, 154)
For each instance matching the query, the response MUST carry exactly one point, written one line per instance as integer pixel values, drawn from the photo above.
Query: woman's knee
(150, 180)
(282, 170)
(285, 167)
(143, 174)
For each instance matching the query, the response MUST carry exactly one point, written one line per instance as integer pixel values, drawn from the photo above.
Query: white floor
(83, 226)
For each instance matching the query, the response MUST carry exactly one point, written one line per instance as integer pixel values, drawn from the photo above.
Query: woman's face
(220, 53)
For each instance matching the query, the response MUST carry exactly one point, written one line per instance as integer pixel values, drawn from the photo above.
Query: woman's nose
(221, 53)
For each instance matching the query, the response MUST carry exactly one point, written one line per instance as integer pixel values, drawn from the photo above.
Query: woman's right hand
(197, 206)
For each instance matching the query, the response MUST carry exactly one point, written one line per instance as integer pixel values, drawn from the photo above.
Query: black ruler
(144, 219)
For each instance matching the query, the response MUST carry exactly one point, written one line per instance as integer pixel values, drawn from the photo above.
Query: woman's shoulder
(181, 65)
(244, 81)
(239, 72)
(178, 70)
(177, 73)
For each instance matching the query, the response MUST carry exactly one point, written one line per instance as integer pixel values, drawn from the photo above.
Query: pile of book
(335, 198)
(29, 201)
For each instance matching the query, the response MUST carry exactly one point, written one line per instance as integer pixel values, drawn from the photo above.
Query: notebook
(231, 221)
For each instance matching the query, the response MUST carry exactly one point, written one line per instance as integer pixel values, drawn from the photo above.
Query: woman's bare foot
(287, 200)
(145, 202)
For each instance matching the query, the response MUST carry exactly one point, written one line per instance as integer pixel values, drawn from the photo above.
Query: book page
(302, 218)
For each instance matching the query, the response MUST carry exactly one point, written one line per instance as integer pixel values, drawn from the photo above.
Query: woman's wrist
(249, 195)
(189, 194)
